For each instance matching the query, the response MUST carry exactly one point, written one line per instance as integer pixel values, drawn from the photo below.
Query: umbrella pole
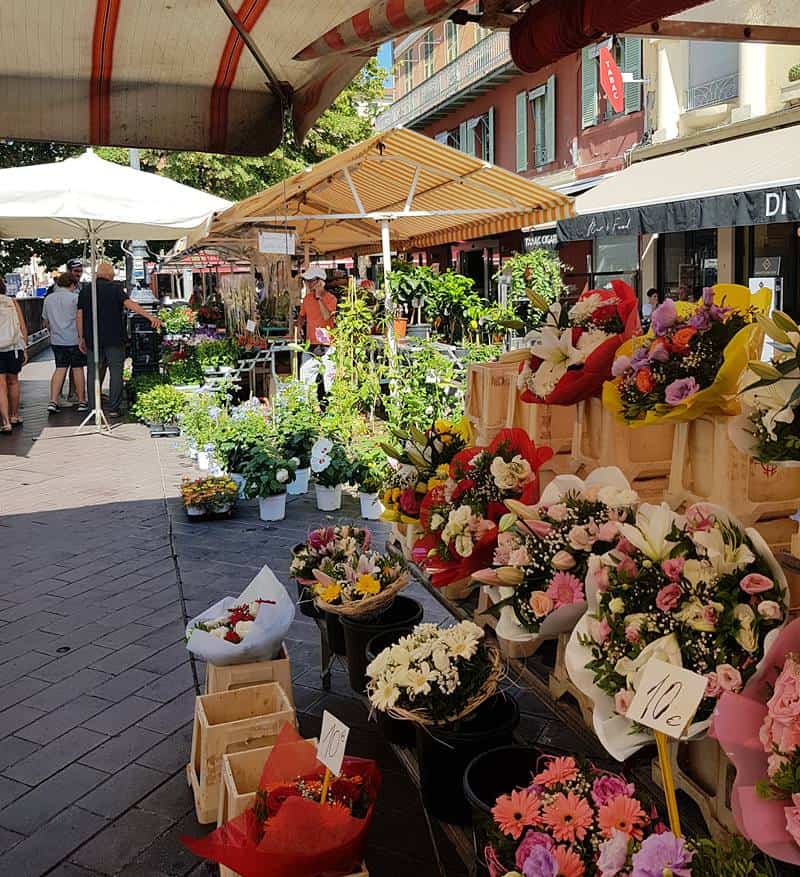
(97, 412)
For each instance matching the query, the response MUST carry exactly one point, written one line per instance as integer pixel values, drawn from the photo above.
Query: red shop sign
(611, 80)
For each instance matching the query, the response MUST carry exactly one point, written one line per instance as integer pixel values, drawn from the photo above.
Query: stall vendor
(316, 312)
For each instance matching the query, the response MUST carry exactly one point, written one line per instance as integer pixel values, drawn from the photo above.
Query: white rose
(282, 476)
(219, 632)
(770, 610)
(243, 628)
(614, 497)
(437, 522)
(616, 606)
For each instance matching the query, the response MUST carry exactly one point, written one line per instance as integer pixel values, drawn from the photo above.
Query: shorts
(10, 362)
(68, 356)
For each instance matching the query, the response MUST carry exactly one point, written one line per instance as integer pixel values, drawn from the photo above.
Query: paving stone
(25, 663)
(121, 841)
(170, 685)
(17, 717)
(70, 663)
(55, 695)
(31, 607)
(30, 810)
(168, 855)
(123, 749)
(171, 716)
(173, 798)
(123, 659)
(123, 636)
(51, 725)
(122, 791)
(120, 716)
(51, 843)
(51, 758)
(172, 753)
(14, 749)
(119, 687)
(17, 630)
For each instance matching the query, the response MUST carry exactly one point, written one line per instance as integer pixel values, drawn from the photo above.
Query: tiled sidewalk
(96, 690)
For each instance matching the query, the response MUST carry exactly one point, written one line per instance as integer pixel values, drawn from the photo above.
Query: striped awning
(430, 193)
(178, 74)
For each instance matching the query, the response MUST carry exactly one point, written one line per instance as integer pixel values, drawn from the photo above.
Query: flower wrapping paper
(263, 640)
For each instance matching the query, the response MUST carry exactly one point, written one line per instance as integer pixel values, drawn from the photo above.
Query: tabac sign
(611, 80)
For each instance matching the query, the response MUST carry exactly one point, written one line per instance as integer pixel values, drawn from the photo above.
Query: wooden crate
(234, 676)
(241, 774)
(707, 467)
(491, 387)
(702, 771)
(561, 685)
(231, 721)
(550, 425)
(509, 647)
(600, 440)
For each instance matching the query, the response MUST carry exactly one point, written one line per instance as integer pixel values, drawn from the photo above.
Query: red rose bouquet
(460, 518)
(572, 353)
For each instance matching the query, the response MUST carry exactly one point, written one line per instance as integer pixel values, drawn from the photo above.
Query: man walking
(112, 301)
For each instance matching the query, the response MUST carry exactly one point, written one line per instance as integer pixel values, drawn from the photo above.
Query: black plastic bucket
(305, 601)
(335, 631)
(490, 775)
(402, 615)
(398, 731)
(443, 753)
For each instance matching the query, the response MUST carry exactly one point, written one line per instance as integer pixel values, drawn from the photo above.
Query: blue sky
(385, 60)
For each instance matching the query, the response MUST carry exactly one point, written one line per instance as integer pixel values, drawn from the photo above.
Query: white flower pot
(191, 452)
(203, 460)
(223, 509)
(240, 482)
(195, 511)
(299, 484)
(371, 506)
(272, 508)
(329, 499)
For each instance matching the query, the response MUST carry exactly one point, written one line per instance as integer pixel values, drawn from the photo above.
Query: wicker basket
(367, 606)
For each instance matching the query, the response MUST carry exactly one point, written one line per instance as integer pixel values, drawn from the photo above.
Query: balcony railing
(490, 54)
(717, 91)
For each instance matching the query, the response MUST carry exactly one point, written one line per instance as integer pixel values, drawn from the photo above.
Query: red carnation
(232, 637)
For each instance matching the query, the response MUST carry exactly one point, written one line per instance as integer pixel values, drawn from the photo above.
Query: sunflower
(330, 593)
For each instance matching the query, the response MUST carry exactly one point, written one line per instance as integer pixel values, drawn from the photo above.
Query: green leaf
(537, 300)
(774, 332)
(785, 322)
(765, 370)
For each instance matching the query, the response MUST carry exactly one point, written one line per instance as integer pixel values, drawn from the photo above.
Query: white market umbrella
(89, 198)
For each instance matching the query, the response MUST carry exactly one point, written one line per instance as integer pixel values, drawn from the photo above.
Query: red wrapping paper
(304, 838)
(587, 381)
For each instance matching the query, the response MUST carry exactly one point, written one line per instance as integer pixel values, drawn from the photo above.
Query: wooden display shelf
(233, 676)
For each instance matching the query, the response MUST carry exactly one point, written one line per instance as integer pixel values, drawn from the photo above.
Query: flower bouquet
(435, 675)
(418, 465)
(572, 352)
(759, 729)
(250, 627)
(544, 552)
(360, 585)
(691, 360)
(208, 495)
(327, 544)
(460, 517)
(289, 832)
(699, 591)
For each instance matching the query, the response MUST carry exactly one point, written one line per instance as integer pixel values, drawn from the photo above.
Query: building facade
(460, 86)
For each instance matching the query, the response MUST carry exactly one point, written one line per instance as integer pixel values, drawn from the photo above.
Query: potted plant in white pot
(298, 444)
(266, 475)
(332, 469)
(210, 495)
(370, 473)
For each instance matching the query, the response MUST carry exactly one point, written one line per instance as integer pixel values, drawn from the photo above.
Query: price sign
(251, 325)
(667, 698)
(332, 742)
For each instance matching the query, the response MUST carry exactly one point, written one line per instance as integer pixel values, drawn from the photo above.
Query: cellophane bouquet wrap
(690, 361)
(289, 833)
(543, 552)
(459, 518)
(699, 591)
(759, 730)
(250, 627)
(571, 353)
(419, 461)
(360, 585)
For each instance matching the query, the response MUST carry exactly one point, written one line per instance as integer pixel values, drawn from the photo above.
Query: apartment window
(615, 257)
(713, 74)
(536, 124)
(480, 32)
(449, 138)
(406, 72)
(627, 52)
(476, 136)
(450, 41)
(427, 54)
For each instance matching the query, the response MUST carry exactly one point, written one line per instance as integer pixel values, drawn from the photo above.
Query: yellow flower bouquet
(358, 586)
(691, 360)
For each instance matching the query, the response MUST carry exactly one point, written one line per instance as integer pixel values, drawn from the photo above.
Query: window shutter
(522, 132)
(632, 63)
(466, 138)
(490, 134)
(550, 121)
(588, 88)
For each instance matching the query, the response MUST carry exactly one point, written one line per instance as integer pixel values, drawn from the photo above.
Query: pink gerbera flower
(622, 814)
(565, 589)
(568, 817)
(559, 770)
(515, 812)
(569, 862)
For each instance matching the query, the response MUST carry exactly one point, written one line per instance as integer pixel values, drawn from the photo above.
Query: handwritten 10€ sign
(667, 698)
(332, 743)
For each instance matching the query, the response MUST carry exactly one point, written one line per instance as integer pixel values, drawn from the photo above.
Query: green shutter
(550, 121)
(464, 136)
(522, 131)
(632, 63)
(588, 88)
(490, 126)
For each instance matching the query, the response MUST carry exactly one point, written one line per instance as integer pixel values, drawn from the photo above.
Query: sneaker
(83, 406)
(52, 408)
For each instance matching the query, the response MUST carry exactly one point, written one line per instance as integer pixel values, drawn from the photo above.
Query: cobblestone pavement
(96, 689)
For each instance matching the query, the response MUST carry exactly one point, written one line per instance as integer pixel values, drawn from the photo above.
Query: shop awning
(748, 181)
(428, 193)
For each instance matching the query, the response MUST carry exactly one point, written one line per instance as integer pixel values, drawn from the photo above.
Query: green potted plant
(370, 472)
(217, 356)
(266, 475)
(410, 286)
(200, 428)
(238, 437)
(332, 469)
(298, 444)
(178, 321)
(209, 495)
(159, 406)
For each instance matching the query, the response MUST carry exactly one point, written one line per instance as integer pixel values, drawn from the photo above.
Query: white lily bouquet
(696, 590)
(243, 629)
